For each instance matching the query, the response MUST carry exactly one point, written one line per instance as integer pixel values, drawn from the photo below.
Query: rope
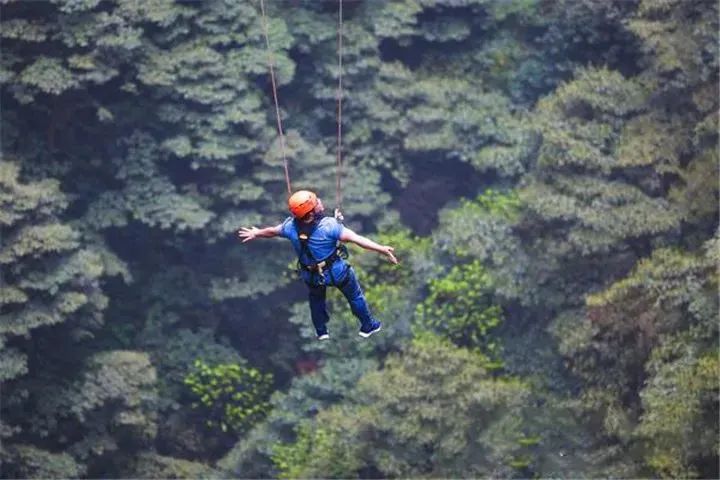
(275, 98)
(338, 186)
(339, 94)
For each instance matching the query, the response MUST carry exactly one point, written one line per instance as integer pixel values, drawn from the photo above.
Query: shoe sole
(366, 335)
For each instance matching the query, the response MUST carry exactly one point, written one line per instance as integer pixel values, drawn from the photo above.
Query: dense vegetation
(546, 170)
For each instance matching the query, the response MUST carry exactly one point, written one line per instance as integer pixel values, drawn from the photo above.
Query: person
(316, 239)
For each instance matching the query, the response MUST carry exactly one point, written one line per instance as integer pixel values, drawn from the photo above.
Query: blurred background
(547, 171)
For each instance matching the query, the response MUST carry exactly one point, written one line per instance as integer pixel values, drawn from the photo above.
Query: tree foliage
(547, 172)
(231, 394)
(26, 461)
(401, 422)
(460, 307)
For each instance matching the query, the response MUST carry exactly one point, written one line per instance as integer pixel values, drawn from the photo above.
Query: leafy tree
(679, 402)
(629, 349)
(107, 407)
(27, 461)
(137, 136)
(51, 300)
(678, 136)
(485, 229)
(429, 412)
(49, 275)
(231, 394)
(305, 398)
(677, 39)
(149, 465)
(579, 206)
(460, 307)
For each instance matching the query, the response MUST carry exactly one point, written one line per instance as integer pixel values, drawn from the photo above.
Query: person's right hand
(388, 252)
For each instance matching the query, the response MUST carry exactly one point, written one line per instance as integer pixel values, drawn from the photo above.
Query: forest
(547, 171)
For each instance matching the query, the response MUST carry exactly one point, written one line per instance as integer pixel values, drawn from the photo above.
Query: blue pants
(350, 287)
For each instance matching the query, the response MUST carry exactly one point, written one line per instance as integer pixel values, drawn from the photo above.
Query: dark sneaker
(368, 330)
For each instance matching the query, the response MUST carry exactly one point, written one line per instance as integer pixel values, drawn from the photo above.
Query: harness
(317, 267)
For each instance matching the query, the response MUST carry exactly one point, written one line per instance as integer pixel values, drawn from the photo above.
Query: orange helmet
(302, 202)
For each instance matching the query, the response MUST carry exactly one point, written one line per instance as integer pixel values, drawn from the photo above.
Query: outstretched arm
(352, 237)
(247, 234)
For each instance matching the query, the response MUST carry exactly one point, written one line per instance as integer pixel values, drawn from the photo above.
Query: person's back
(321, 244)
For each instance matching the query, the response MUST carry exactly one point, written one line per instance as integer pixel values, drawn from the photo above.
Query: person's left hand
(247, 234)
